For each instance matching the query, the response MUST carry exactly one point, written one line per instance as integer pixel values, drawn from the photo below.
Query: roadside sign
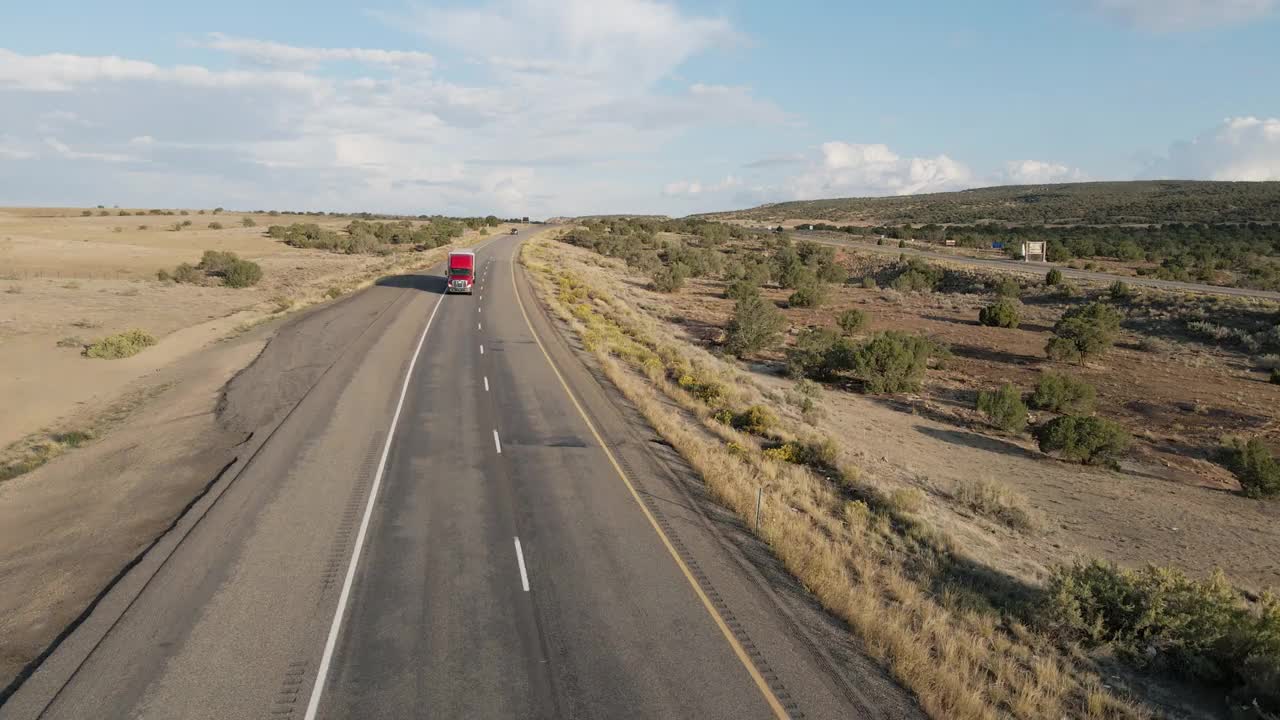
(997, 245)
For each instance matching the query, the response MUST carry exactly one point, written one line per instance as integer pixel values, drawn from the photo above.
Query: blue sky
(545, 107)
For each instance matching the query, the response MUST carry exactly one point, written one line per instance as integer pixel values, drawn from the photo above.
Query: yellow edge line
(774, 704)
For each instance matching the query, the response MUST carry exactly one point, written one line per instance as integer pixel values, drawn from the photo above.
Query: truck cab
(461, 272)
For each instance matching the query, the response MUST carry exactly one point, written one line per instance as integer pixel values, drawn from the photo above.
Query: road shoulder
(809, 658)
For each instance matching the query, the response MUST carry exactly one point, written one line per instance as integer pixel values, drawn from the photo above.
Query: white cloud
(693, 187)
(683, 187)
(1038, 172)
(1240, 148)
(580, 98)
(873, 169)
(65, 151)
(1179, 15)
(635, 42)
(58, 72)
(274, 54)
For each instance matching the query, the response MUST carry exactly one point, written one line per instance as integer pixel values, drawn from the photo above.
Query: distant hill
(1155, 201)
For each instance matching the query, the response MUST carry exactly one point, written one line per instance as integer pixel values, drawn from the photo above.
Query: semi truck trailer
(461, 272)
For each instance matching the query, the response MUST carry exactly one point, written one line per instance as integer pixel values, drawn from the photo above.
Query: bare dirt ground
(1168, 504)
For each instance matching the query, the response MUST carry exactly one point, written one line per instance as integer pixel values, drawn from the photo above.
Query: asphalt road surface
(1037, 268)
(438, 530)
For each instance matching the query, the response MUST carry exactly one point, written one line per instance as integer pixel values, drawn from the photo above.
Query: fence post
(759, 498)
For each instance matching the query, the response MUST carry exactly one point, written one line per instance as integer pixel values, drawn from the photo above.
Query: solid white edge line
(524, 576)
(497, 445)
(336, 627)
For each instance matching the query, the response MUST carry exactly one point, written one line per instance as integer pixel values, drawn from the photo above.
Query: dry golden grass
(997, 501)
(861, 554)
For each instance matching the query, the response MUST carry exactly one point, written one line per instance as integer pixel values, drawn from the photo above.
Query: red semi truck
(461, 272)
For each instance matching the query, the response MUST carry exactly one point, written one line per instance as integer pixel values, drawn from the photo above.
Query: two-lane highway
(485, 491)
(443, 527)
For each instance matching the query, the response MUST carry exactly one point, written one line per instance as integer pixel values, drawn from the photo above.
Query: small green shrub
(1068, 291)
(893, 362)
(669, 278)
(756, 420)
(851, 321)
(756, 325)
(832, 272)
(822, 455)
(1003, 313)
(234, 271)
(1158, 617)
(809, 294)
(918, 276)
(142, 227)
(869, 283)
(120, 345)
(73, 438)
(216, 262)
(1089, 440)
(819, 353)
(1275, 376)
(1084, 332)
(215, 226)
(709, 392)
(71, 341)
(1053, 277)
(1253, 465)
(242, 274)
(186, 223)
(1004, 408)
(740, 289)
(1063, 394)
(1120, 291)
(1008, 288)
(334, 292)
(187, 273)
(247, 222)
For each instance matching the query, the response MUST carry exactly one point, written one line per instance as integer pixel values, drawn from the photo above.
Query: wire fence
(14, 274)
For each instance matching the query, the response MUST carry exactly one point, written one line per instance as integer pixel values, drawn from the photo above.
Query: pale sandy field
(64, 277)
